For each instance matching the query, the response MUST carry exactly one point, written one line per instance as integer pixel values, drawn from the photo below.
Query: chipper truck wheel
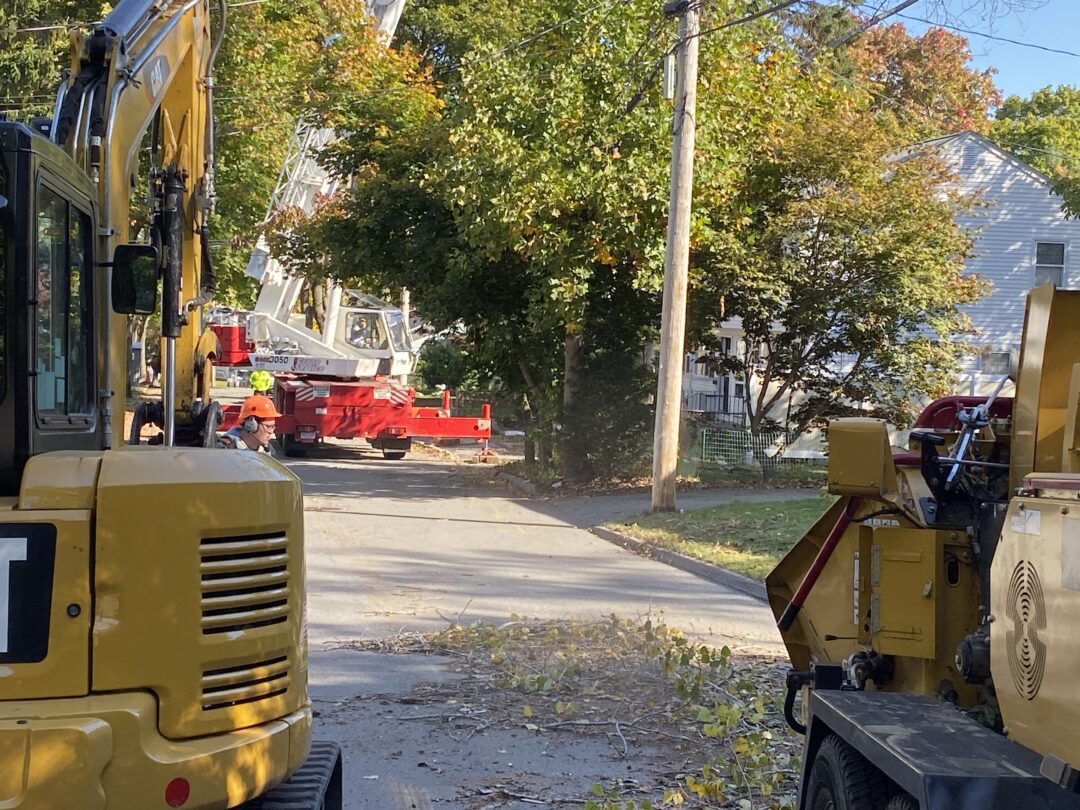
(901, 801)
(393, 455)
(316, 786)
(842, 780)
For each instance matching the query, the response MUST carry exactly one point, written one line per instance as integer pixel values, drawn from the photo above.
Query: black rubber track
(316, 786)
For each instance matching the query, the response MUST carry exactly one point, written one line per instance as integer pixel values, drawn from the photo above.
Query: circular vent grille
(1026, 609)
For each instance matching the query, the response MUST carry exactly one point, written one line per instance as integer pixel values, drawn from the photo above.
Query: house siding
(1016, 210)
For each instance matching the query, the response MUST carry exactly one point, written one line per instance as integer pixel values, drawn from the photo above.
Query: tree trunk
(318, 300)
(575, 460)
(536, 449)
(136, 329)
(530, 421)
(314, 294)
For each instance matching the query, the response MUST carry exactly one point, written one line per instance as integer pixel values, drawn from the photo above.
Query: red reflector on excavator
(177, 792)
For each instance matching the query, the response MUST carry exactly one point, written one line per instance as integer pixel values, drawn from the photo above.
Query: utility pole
(676, 259)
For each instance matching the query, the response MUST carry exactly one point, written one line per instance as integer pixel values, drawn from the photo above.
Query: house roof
(987, 145)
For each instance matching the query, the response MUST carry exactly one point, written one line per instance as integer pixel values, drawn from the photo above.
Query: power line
(636, 98)
(982, 34)
(1050, 152)
(750, 17)
(992, 37)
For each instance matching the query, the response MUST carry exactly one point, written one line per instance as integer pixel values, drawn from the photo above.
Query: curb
(713, 573)
(519, 485)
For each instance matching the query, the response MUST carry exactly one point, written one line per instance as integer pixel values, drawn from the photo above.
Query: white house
(1021, 239)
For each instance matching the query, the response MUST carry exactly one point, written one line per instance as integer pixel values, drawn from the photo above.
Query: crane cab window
(399, 332)
(62, 364)
(364, 331)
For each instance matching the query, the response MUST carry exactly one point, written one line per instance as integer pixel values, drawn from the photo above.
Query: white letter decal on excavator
(12, 549)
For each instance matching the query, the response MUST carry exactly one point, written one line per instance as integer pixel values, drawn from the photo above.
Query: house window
(1050, 263)
(996, 363)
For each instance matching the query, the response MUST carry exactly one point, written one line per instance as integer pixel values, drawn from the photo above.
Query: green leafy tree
(847, 274)
(438, 199)
(446, 362)
(1044, 131)
(34, 49)
(272, 53)
(530, 202)
(515, 178)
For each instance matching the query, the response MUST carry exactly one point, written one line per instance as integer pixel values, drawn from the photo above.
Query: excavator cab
(48, 283)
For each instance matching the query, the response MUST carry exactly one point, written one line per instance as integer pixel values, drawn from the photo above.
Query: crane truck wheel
(291, 447)
(393, 455)
(842, 780)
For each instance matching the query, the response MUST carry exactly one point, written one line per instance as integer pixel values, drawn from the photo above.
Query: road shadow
(362, 478)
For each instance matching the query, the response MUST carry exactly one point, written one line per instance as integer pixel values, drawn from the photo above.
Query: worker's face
(266, 430)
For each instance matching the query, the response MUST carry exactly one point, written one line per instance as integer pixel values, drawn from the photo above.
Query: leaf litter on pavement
(716, 715)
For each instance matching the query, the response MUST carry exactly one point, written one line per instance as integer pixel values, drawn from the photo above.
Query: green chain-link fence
(734, 448)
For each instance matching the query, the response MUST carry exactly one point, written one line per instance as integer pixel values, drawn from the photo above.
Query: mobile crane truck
(152, 626)
(931, 615)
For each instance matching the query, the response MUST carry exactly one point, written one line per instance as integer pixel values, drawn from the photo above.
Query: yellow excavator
(152, 622)
(931, 614)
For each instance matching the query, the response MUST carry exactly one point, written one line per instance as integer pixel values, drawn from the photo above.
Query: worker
(360, 334)
(258, 421)
(262, 381)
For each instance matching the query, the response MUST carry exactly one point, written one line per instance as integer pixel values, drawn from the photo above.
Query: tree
(925, 80)
(271, 61)
(517, 182)
(34, 49)
(847, 274)
(1044, 131)
(530, 202)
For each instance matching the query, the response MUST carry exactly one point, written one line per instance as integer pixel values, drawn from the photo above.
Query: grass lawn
(748, 537)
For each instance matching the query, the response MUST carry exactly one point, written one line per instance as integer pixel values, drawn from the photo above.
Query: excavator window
(62, 363)
(3, 303)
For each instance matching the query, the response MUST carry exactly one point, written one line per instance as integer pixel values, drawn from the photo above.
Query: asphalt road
(409, 546)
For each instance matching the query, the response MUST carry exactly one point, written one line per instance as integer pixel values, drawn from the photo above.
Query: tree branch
(858, 30)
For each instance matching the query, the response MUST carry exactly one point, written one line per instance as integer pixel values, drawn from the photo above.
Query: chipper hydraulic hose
(792, 610)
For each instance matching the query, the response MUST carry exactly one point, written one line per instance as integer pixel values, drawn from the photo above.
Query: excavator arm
(148, 64)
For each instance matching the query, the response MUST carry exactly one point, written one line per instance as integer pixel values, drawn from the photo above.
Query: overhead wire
(992, 37)
(1028, 148)
(748, 17)
(656, 66)
(972, 32)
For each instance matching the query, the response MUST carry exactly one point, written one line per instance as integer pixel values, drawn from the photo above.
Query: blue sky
(1021, 69)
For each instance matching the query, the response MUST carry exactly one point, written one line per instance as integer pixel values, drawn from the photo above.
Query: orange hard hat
(260, 407)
